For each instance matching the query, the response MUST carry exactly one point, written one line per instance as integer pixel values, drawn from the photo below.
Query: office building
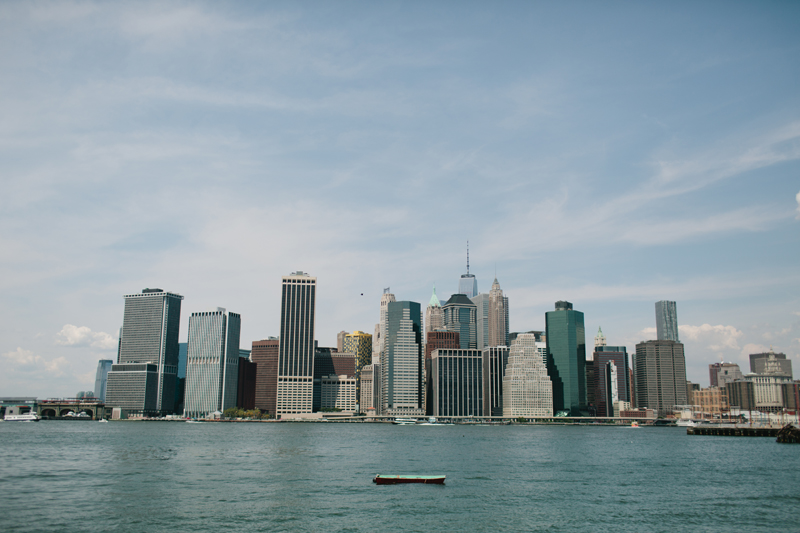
(495, 360)
(720, 374)
(458, 383)
(497, 317)
(101, 378)
(468, 284)
(566, 358)
(144, 378)
(295, 395)
(386, 298)
(246, 388)
(770, 363)
(435, 340)
(711, 402)
(340, 341)
(762, 392)
(660, 376)
(527, 389)
(481, 302)
(212, 369)
(611, 378)
(328, 362)
(366, 392)
(338, 393)
(401, 362)
(265, 355)
(359, 344)
(666, 321)
(434, 316)
(460, 316)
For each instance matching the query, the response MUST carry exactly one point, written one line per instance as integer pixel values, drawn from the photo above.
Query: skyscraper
(295, 395)
(434, 316)
(599, 339)
(212, 366)
(660, 376)
(460, 315)
(527, 389)
(667, 321)
(566, 358)
(401, 362)
(458, 382)
(386, 298)
(498, 316)
(610, 374)
(468, 284)
(101, 378)
(265, 354)
(143, 380)
(359, 344)
(495, 360)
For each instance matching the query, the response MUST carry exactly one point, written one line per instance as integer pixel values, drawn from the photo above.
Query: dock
(727, 431)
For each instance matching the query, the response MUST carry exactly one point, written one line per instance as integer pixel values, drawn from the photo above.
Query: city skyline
(612, 156)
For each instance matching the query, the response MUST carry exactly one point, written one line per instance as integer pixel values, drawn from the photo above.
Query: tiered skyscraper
(460, 316)
(401, 362)
(295, 395)
(527, 389)
(144, 378)
(212, 369)
(434, 316)
(667, 321)
(566, 358)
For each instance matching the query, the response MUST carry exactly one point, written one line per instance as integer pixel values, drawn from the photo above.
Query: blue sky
(610, 154)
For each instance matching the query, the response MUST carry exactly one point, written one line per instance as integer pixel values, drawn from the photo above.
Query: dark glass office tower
(461, 316)
(296, 348)
(566, 358)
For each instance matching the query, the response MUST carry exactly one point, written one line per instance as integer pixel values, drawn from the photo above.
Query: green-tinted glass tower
(566, 358)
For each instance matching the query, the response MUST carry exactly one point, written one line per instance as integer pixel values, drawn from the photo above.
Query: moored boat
(393, 480)
(405, 421)
(27, 417)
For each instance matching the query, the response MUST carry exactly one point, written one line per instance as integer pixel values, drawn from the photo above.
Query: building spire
(467, 257)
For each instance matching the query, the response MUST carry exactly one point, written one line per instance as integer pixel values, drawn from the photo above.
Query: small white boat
(104, 420)
(405, 421)
(27, 417)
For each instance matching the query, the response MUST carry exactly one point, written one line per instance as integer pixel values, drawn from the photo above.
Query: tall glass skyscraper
(468, 284)
(296, 356)
(566, 358)
(667, 321)
(143, 380)
(212, 369)
(101, 378)
(461, 316)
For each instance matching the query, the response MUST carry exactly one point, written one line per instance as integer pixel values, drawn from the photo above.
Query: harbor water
(174, 476)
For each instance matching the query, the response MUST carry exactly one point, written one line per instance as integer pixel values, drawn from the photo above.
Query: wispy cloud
(83, 336)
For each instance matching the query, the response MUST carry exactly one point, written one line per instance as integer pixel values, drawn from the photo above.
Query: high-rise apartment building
(566, 358)
(667, 321)
(498, 317)
(295, 395)
(359, 344)
(527, 389)
(401, 362)
(101, 378)
(460, 316)
(660, 376)
(144, 378)
(212, 369)
(265, 355)
(458, 382)
(610, 378)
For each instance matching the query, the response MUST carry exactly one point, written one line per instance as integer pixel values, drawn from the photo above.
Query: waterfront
(62, 476)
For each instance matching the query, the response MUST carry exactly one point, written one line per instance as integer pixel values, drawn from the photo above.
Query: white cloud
(22, 360)
(716, 338)
(83, 336)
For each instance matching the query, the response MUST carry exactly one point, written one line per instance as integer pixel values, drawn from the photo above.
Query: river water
(172, 476)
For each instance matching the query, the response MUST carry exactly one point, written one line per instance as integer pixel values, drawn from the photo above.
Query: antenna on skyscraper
(467, 257)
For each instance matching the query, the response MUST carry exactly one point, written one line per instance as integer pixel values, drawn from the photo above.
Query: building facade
(359, 344)
(720, 374)
(527, 389)
(295, 391)
(611, 376)
(495, 360)
(434, 316)
(265, 354)
(460, 316)
(401, 362)
(212, 369)
(498, 317)
(770, 363)
(667, 321)
(339, 392)
(481, 302)
(148, 344)
(660, 376)
(246, 388)
(458, 382)
(101, 378)
(566, 358)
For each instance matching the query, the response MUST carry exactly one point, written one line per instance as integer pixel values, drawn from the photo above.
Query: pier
(732, 431)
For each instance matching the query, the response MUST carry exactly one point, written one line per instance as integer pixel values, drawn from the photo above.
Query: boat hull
(394, 480)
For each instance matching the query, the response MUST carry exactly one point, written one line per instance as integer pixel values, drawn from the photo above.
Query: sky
(612, 154)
